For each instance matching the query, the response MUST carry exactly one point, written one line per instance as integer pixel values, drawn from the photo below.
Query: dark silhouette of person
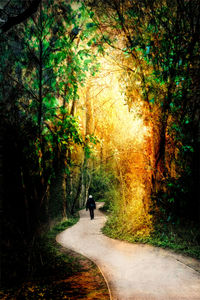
(91, 205)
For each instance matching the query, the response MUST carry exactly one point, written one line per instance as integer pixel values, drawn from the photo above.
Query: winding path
(133, 271)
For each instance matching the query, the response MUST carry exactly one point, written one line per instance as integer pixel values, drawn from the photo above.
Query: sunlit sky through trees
(123, 137)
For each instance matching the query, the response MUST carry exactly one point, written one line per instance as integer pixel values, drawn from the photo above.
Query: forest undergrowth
(63, 273)
(173, 233)
(183, 238)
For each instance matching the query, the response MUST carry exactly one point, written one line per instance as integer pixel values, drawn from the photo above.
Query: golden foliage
(125, 145)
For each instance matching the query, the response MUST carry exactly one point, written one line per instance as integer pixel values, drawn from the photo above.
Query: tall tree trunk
(40, 73)
(63, 187)
(86, 177)
(83, 199)
(160, 170)
(26, 205)
(78, 192)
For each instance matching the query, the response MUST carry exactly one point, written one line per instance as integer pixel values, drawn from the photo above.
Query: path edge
(105, 279)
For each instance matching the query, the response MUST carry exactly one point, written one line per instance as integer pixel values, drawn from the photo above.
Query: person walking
(91, 205)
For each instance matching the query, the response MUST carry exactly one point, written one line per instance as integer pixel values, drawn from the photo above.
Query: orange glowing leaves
(123, 134)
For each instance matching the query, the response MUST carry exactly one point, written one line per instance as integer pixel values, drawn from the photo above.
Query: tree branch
(12, 21)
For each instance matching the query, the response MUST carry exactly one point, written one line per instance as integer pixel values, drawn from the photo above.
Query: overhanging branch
(12, 21)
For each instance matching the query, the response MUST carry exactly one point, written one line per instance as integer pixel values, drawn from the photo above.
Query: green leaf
(171, 200)
(152, 101)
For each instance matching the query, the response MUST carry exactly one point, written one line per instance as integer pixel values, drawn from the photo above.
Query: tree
(42, 66)
(159, 41)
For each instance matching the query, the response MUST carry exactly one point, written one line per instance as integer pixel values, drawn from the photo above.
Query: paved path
(133, 271)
